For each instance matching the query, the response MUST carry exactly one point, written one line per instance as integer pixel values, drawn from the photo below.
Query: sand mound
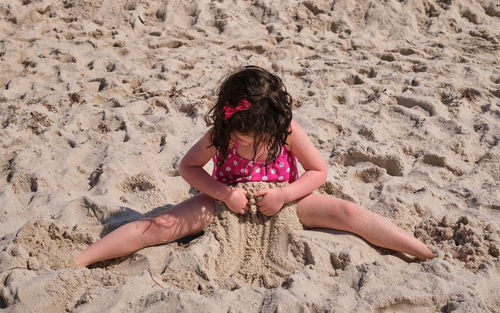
(470, 240)
(43, 245)
(257, 248)
(251, 248)
(38, 263)
(54, 291)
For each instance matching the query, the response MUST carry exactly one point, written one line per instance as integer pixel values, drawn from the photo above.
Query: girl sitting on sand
(253, 138)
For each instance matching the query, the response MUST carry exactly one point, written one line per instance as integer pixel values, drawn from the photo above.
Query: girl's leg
(187, 218)
(320, 211)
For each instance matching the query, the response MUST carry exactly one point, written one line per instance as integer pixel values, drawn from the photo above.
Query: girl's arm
(191, 169)
(312, 162)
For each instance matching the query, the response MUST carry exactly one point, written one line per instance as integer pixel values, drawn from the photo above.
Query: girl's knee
(158, 229)
(164, 221)
(350, 210)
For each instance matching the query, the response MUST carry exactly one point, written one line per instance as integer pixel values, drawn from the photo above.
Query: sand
(99, 101)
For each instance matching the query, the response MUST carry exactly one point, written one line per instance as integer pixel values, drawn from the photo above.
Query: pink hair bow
(243, 105)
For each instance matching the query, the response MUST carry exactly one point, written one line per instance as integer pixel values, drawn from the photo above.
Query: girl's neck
(246, 152)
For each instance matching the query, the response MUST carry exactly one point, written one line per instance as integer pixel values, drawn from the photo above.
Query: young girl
(253, 138)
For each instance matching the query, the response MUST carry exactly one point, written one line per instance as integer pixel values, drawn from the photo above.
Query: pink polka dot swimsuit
(236, 169)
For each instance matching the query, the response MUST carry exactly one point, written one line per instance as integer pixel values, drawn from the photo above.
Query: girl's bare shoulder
(294, 130)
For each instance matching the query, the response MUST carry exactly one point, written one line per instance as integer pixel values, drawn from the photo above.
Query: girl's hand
(237, 200)
(272, 201)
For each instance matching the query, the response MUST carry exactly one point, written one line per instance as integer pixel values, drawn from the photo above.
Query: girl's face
(245, 140)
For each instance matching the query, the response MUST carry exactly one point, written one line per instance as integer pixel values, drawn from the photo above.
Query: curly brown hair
(267, 119)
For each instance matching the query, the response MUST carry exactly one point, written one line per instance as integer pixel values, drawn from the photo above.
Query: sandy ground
(99, 100)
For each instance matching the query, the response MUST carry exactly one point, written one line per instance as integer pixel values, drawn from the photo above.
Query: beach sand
(99, 101)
